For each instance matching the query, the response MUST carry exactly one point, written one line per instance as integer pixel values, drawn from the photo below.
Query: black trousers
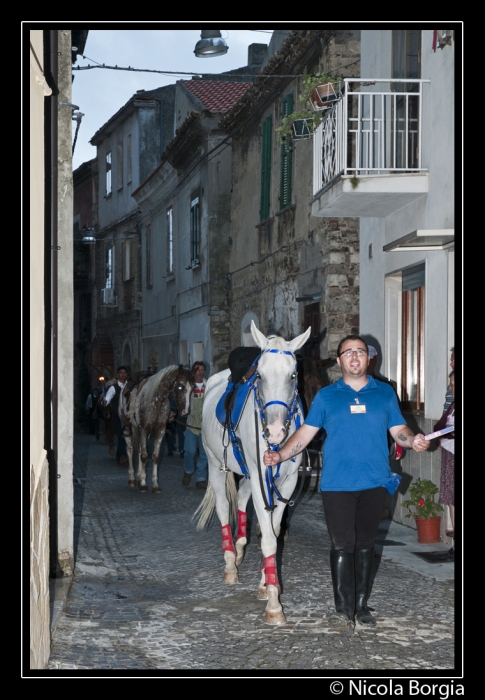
(353, 517)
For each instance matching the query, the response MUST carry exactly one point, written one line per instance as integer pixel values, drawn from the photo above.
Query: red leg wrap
(270, 575)
(242, 519)
(227, 544)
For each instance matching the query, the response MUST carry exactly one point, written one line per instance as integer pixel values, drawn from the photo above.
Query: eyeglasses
(359, 352)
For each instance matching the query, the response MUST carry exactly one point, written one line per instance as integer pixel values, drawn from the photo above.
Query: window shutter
(413, 278)
(286, 158)
(132, 258)
(266, 168)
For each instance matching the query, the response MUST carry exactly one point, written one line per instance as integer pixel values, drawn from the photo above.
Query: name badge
(358, 408)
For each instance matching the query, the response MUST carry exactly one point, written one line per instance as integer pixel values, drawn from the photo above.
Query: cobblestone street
(147, 594)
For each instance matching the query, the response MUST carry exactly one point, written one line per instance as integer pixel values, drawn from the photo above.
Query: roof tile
(217, 95)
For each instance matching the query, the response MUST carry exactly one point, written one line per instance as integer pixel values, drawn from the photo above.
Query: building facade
(185, 207)
(385, 141)
(129, 147)
(289, 269)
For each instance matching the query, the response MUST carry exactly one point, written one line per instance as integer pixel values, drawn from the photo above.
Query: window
(149, 268)
(266, 152)
(110, 267)
(406, 55)
(198, 352)
(170, 241)
(406, 63)
(286, 158)
(128, 158)
(119, 168)
(412, 348)
(108, 173)
(128, 251)
(194, 232)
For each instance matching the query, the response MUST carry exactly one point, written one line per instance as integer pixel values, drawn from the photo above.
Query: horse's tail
(206, 508)
(205, 511)
(231, 494)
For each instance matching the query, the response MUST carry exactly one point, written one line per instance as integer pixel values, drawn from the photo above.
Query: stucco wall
(39, 515)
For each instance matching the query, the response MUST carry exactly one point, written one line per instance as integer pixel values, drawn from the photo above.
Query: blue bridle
(292, 409)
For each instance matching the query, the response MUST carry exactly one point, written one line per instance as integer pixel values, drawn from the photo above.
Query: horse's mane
(155, 380)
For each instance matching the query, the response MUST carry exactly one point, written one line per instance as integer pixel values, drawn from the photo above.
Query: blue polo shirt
(355, 451)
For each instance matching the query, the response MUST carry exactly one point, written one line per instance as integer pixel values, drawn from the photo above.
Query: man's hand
(271, 458)
(420, 444)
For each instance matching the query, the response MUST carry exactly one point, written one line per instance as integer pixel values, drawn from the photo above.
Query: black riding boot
(364, 563)
(343, 579)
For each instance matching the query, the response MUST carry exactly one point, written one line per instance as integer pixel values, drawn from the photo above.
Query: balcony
(367, 155)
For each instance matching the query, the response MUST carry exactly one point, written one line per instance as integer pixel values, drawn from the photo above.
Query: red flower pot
(428, 530)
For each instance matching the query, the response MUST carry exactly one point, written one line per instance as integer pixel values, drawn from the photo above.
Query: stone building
(289, 269)
(129, 147)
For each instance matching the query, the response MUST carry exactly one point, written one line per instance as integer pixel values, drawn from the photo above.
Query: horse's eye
(293, 376)
(258, 376)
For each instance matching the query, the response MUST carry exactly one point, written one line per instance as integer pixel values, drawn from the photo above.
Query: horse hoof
(142, 488)
(274, 618)
(131, 482)
(156, 489)
(262, 593)
(231, 577)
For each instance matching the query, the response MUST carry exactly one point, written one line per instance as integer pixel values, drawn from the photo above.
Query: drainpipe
(51, 332)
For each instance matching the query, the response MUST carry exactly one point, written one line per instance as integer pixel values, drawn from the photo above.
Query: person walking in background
(194, 449)
(447, 447)
(356, 413)
(112, 399)
(93, 418)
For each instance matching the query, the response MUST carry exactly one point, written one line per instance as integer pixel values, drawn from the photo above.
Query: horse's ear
(260, 339)
(300, 340)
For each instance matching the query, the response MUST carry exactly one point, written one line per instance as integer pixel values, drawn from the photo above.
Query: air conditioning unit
(109, 298)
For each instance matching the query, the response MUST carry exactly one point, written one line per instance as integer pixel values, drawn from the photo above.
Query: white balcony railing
(374, 129)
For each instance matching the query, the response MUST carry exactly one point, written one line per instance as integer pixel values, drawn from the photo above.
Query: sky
(99, 93)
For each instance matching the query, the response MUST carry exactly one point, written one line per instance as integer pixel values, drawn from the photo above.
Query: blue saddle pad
(242, 393)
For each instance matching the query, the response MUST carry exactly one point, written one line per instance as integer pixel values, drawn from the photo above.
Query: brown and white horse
(145, 409)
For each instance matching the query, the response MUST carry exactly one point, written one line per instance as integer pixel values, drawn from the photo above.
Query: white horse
(270, 415)
(145, 409)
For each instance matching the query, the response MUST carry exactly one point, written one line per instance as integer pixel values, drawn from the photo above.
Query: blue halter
(292, 409)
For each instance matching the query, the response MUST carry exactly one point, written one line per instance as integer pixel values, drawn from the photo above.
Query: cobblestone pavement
(147, 592)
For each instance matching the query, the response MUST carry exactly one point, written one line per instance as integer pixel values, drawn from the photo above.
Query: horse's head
(181, 388)
(277, 381)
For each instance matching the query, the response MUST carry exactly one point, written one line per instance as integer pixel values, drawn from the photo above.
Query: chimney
(256, 54)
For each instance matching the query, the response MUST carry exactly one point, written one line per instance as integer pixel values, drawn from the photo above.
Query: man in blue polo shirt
(356, 413)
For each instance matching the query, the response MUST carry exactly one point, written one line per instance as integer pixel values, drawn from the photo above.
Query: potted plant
(302, 123)
(424, 510)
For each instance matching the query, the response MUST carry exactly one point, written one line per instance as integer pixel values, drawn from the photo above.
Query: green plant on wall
(309, 83)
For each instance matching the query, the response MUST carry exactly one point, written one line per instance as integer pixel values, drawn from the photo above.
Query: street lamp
(210, 44)
(88, 236)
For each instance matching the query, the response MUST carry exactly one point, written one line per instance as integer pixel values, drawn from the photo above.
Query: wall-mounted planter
(323, 97)
(302, 129)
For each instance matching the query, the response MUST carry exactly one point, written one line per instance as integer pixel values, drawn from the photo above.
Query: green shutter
(286, 159)
(266, 149)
